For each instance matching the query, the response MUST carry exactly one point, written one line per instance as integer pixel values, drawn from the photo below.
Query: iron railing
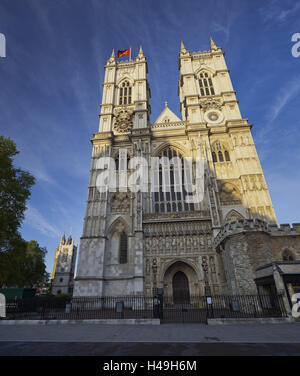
(200, 308)
(189, 309)
(55, 308)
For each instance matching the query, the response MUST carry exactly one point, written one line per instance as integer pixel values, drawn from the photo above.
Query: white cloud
(34, 219)
(273, 11)
(225, 29)
(284, 96)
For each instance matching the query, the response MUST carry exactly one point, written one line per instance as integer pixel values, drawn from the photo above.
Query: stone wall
(246, 245)
(285, 238)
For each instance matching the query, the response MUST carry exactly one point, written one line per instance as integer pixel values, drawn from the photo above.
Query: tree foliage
(15, 185)
(22, 263)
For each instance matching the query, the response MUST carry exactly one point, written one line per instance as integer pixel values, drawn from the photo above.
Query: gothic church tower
(111, 248)
(134, 241)
(62, 278)
(209, 105)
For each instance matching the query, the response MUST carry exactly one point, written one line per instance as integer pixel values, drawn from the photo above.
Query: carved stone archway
(180, 282)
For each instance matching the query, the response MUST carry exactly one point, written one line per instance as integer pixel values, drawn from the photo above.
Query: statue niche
(229, 194)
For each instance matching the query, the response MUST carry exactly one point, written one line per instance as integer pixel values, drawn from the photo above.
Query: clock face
(123, 125)
(213, 116)
(123, 122)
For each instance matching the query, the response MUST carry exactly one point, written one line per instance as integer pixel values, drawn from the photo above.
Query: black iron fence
(201, 308)
(190, 309)
(55, 308)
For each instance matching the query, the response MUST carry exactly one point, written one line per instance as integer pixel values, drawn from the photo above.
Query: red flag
(123, 53)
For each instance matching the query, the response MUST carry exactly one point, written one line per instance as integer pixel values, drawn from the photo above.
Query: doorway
(181, 290)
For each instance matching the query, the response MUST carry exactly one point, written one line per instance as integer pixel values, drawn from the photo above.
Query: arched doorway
(181, 290)
(180, 282)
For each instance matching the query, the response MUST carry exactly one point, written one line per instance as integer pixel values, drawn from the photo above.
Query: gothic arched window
(123, 248)
(206, 85)
(172, 193)
(122, 167)
(227, 158)
(220, 153)
(125, 93)
(287, 255)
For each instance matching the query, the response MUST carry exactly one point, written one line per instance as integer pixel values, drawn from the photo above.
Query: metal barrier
(191, 309)
(200, 308)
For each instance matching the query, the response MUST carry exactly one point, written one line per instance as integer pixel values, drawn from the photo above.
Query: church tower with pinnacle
(62, 277)
(135, 241)
(111, 247)
(208, 103)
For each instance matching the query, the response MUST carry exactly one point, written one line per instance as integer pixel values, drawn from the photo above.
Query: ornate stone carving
(229, 194)
(120, 202)
(211, 104)
(123, 121)
(232, 216)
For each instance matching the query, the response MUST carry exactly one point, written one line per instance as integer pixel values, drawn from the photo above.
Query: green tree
(15, 185)
(24, 265)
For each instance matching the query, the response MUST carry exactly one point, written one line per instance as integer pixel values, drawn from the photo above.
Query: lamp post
(154, 272)
(205, 270)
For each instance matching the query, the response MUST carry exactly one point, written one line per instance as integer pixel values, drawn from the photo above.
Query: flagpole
(130, 54)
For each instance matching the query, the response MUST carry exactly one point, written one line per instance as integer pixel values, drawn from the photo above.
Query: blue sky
(51, 88)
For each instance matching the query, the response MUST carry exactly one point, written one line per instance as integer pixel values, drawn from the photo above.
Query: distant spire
(183, 50)
(213, 45)
(166, 104)
(141, 51)
(112, 58)
(63, 239)
(141, 56)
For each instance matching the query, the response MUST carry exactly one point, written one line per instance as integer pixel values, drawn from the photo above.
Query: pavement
(150, 340)
(201, 333)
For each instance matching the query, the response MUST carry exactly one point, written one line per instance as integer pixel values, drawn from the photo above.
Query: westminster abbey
(136, 241)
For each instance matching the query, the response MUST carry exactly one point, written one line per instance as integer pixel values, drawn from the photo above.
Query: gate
(194, 310)
(184, 309)
(200, 308)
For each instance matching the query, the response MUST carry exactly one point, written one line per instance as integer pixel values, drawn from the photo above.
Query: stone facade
(260, 257)
(62, 278)
(136, 241)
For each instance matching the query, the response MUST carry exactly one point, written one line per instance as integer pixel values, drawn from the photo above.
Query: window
(220, 153)
(173, 200)
(206, 85)
(125, 93)
(123, 248)
(227, 156)
(122, 167)
(61, 279)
